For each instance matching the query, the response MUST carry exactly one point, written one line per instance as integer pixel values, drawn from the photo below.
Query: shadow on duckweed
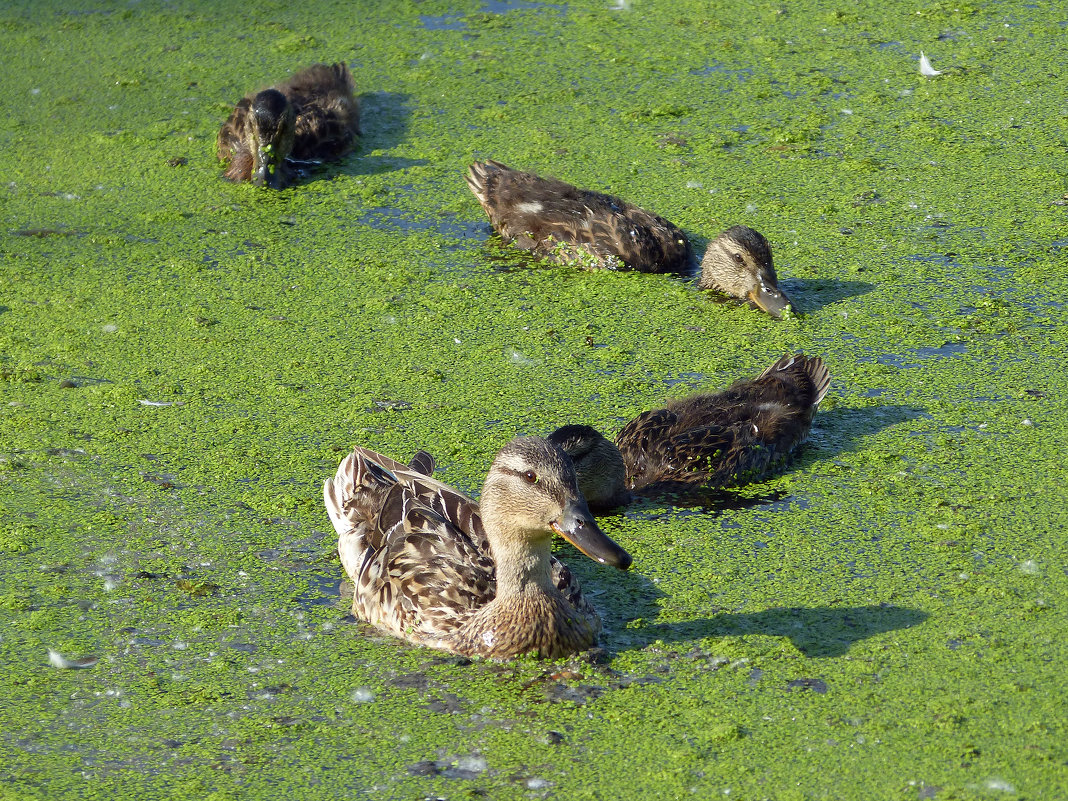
(813, 294)
(848, 427)
(674, 499)
(817, 632)
(385, 118)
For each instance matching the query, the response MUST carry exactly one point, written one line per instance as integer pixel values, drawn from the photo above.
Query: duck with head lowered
(312, 117)
(714, 440)
(431, 566)
(568, 225)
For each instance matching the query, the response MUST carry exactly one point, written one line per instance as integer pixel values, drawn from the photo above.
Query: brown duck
(431, 566)
(312, 117)
(720, 440)
(568, 225)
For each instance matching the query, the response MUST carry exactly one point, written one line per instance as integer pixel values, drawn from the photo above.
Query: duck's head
(269, 132)
(738, 263)
(531, 493)
(598, 464)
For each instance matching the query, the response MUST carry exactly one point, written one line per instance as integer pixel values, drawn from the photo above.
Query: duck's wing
(570, 225)
(656, 448)
(231, 144)
(328, 115)
(415, 572)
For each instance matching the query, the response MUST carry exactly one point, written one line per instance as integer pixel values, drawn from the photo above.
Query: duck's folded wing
(422, 573)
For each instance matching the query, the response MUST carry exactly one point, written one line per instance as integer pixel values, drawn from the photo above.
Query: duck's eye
(530, 477)
(738, 257)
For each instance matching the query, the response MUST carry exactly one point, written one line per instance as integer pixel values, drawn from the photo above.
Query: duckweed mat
(184, 360)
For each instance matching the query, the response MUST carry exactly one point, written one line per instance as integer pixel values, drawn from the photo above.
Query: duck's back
(328, 117)
(566, 224)
(730, 437)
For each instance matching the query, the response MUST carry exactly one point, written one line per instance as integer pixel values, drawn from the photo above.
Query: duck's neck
(522, 561)
(522, 567)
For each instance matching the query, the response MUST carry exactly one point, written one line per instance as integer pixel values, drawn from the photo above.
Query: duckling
(738, 263)
(311, 117)
(568, 225)
(433, 567)
(721, 440)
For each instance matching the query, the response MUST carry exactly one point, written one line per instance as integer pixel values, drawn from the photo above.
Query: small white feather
(161, 403)
(56, 659)
(926, 69)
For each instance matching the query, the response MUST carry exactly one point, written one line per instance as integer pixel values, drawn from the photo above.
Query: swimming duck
(311, 117)
(433, 567)
(719, 440)
(738, 263)
(568, 225)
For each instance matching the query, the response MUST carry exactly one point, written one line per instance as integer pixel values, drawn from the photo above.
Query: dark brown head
(269, 133)
(738, 263)
(598, 466)
(531, 493)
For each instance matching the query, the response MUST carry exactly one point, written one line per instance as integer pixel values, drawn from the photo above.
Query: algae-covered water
(183, 361)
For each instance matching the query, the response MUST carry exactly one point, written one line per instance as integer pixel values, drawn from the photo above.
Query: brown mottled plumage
(311, 117)
(721, 439)
(738, 263)
(568, 225)
(430, 565)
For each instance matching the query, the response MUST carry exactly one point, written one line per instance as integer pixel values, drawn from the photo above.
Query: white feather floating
(926, 69)
(161, 403)
(56, 659)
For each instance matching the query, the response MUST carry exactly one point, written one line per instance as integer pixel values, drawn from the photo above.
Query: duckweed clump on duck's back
(182, 361)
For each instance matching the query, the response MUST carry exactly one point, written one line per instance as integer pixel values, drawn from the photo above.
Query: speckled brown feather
(327, 119)
(419, 558)
(729, 437)
(568, 225)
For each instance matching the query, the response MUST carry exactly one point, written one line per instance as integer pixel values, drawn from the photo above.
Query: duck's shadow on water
(808, 295)
(817, 632)
(384, 122)
(844, 430)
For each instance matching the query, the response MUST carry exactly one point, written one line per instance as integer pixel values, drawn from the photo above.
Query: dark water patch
(818, 686)
(690, 379)
(504, 6)
(739, 74)
(947, 351)
(323, 590)
(42, 233)
(443, 22)
(384, 218)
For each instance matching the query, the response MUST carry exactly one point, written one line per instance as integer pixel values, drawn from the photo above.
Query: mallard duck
(433, 567)
(568, 225)
(738, 263)
(311, 117)
(719, 440)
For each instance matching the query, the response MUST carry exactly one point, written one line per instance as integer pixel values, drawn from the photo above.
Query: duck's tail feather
(480, 175)
(423, 462)
(354, 492)
(812, 366)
